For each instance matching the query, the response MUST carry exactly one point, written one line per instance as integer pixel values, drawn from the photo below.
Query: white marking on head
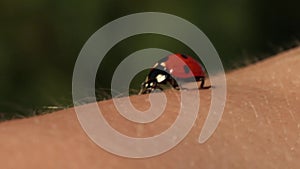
(171, 70)
(151, 84)
(146, 85)
(160, 78)
(163, 64)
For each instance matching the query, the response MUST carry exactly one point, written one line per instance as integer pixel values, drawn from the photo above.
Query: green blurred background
(40, 41)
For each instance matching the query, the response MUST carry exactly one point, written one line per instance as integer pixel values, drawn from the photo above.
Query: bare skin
(260, 128)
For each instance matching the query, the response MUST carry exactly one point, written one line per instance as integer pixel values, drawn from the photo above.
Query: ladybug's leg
(155, 85)
(149, 86)
(158, 87)
(202, 82)
(173, 83)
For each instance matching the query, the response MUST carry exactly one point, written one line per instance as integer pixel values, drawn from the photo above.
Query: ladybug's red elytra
(171, 68)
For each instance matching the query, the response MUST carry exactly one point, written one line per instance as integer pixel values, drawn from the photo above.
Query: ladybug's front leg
(173, 83)
(158, 87)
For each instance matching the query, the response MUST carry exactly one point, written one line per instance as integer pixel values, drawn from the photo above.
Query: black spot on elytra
(186, 69)
(164, 59)
(184, 56)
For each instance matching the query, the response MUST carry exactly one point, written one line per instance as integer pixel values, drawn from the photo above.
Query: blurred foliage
(40, 40)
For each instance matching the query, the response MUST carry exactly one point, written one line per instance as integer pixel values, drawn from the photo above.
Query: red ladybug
(176, 66)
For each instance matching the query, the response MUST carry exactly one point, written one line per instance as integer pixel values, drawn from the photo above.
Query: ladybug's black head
(148, 86)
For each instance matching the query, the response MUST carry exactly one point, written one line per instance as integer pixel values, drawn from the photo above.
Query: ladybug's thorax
(158, 75)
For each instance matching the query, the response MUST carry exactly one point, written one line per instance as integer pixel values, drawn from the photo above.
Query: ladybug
(171, 68)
